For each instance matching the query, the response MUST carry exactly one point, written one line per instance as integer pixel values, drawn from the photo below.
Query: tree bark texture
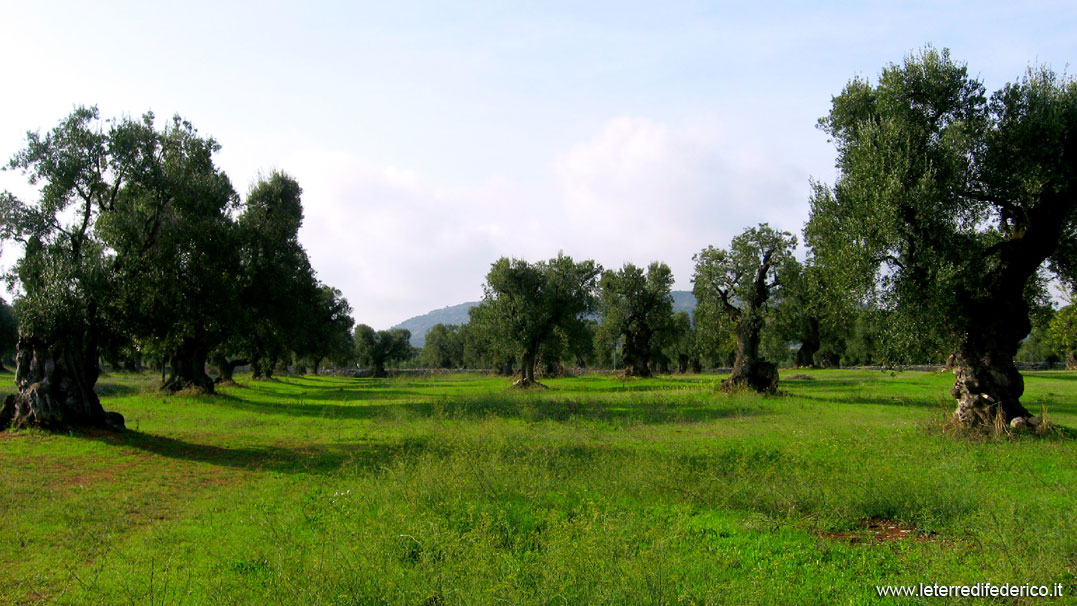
(527, 369)
(987, 384)
(227, 368)
(187, 369)
(56, 389)
(749, 370)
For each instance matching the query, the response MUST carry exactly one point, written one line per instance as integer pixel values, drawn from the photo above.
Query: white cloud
(637, 190)
(395, 246)
(641, 191)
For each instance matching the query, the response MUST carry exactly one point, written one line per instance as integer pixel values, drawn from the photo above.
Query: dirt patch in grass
(877, 531)
(799, 377)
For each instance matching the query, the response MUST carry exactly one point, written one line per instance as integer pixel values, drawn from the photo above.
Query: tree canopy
(740, 283)
(637, 307)
(381, 347)
(531, 306)
(949, 205)
(134, 244)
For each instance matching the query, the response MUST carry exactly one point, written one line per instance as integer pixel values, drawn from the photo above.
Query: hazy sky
(431, 139)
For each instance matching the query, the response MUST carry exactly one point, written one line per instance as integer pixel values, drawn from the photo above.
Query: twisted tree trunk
(987, 384)
(187, 368)
(527, 369)
(749, 369)
(228, 368)
(56, 389)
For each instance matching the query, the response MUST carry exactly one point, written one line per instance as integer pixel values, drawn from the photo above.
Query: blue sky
(432, 138)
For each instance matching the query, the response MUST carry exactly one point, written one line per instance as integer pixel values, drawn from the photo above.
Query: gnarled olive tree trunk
(749, 369)
(987, 384)
(56, 389)
(187, 368)
(527, 369)
(227, 368)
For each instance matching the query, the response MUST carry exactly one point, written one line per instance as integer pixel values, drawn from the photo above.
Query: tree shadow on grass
(317, 459)
(330, 394)
(115, 389)
(313, 459)
(852, 398)
(656, 411)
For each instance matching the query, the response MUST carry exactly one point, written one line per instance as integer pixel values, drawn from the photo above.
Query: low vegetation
(460, 490)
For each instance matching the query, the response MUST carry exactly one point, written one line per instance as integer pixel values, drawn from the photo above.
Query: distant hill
(457, 314)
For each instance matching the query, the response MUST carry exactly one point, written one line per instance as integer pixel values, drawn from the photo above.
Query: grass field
(458, 490)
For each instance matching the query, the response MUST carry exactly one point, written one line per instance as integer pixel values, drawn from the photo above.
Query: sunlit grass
(460, 490)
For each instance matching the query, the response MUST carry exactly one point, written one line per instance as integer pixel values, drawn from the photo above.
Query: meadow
(458, 489)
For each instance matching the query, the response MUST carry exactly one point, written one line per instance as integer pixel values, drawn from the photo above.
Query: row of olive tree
(138, 245)
(936, 240)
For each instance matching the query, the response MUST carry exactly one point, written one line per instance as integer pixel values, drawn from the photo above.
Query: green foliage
(1061, 338)
(1037, 348)
(948, 203)
(444, 347)
(276, 286)
(63, 280)
(326, 332)
(682, 345)
(741, 285)
(379, 348)
(638, 308)
(174, 239)
(533, 308)
(132, 224)
(9, 332)
(133, 247)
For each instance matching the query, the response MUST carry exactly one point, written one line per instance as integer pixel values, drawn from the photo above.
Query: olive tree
(1062, 335)
(530, 305)
(63, 281)
(950, 204)
(741, 283)
(637, 307)
(381, 347)
(444, 347)
(174, 262)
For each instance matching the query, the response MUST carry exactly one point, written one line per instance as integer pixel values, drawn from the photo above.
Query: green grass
(458, 490)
